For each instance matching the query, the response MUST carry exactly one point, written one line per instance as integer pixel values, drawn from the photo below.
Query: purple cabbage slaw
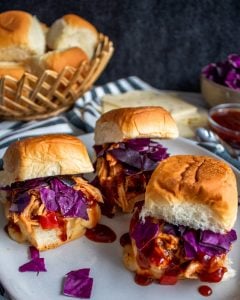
(226, 73)
(195, 241)
(56, 193)
(78, 284)
(36, 264)
(139, 154)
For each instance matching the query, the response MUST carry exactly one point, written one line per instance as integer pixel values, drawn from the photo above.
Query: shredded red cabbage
(78, 284)
(194, 241)
(140, 154)
(144, 231)
(57, 194)
(226, 73)
(34, 265)
(80, 272)
(21, 202)
(206, 241)
(48, 198)
(34, 253)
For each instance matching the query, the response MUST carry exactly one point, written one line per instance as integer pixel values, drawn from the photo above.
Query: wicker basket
(34, 98)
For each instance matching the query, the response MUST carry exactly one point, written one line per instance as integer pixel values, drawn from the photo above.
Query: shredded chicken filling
(118, 188)
(166, 252)
(29, 217)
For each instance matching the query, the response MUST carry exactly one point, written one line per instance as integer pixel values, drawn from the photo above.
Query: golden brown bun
(73, 31)
(195, 191)
(56, 60)
(13, 69)
(23, 229)
(21, 36)
(135, 122)
(47, 155)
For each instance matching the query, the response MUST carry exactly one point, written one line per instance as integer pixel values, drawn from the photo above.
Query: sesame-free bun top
(195, 191)
(21, 36)
(135, 122)
(42, 156)
(73, 31)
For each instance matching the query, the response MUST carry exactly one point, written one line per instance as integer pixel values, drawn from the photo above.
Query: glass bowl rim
(222, 107)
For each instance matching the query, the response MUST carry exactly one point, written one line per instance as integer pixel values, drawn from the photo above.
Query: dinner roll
(56, 60)
(134, 122)
(73, 31)
(195, 191)
(21, 36)
(42, 156)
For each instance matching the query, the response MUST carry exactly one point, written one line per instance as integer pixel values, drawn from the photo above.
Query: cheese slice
(176, 106)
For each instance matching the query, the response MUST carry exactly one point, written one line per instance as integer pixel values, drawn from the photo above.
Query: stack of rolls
(27, 45)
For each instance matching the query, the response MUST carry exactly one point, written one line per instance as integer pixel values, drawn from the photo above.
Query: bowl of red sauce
(224, 120)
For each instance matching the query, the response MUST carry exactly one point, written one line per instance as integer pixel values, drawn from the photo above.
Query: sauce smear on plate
(101, 234)
(142, 280)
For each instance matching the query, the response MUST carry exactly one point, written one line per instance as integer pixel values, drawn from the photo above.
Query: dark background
(164, 42)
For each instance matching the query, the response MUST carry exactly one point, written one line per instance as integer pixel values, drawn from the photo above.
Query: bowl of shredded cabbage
(220, 81)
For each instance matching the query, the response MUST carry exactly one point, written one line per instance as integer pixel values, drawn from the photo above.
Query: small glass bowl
(224, 120)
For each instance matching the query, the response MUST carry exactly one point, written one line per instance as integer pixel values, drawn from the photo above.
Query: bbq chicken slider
(185, 227)
(47, 202)
(126, 153)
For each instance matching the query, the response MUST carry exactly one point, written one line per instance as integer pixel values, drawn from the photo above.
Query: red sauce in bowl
(229, 119)
(224, 119)
(101, 234)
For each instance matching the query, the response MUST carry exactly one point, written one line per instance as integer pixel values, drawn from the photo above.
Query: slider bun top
(195, 191)
(135, 122)
(42, 156)
(21, 36)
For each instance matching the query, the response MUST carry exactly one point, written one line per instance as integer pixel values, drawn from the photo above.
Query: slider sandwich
(47, 202)
(185, 227)
(126, 155)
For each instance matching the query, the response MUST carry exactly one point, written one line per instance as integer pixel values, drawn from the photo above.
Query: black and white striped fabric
(79, 120)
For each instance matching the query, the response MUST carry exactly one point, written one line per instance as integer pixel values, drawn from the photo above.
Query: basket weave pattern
(34, 98)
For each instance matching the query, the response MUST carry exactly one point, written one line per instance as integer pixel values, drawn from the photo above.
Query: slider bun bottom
(130, 262)
(45, 239)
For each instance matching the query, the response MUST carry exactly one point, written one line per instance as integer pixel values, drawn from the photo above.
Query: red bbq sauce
(142, 280)
(125, 239)
(63, 229)
(101, 234)
(205, 290)
(212, 277)
(229, 119)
